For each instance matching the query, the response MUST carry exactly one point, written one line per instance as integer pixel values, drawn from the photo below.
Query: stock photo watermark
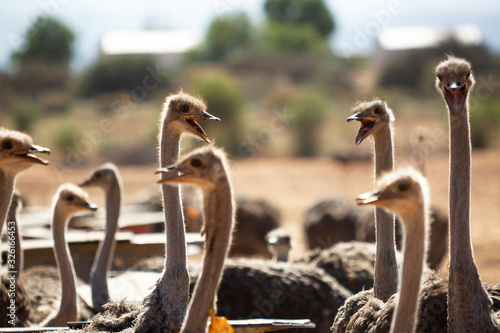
(11, 273)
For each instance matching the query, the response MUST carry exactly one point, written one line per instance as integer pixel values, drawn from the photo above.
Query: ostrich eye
(195, 163)
(403, 187)
(467, 76)
(70, 197)
(184, 108)
(377, 110)
(440, 77)
(7, 145)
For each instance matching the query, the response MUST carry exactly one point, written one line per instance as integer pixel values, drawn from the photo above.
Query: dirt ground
(295, 185)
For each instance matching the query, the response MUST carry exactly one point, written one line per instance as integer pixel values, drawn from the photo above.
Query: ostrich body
(350, 263)
(68, 201)
(16, 155)
(406, 193)
(468, 302)
(376, 120)
(109, 179)
(207, 168)
(258, 288)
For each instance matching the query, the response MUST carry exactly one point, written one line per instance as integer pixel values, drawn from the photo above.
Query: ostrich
(109, 179)
(17, 153)
(208, 169)
(376, 120)
(469, 304)
(406, 193)
(279, 244)
(165, 308)
(421, 146)
(68, 200)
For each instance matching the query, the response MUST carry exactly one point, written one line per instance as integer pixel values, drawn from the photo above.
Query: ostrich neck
(174, 220)
(386, 269)
(411, 274)
(218, 208)
(102, 263)
(169, 300)
(7, 188)
(468, 302)
(65, 265)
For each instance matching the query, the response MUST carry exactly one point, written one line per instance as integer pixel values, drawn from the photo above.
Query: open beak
(90, 206)
(173, 174)
(366, 127)
(28, 154)
(367, 198)
(455, 95)
(191, 120)
(373, 197)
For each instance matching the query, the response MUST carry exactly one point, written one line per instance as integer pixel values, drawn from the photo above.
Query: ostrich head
(182, 110)
(279, 243)
(373, 116)
(17, 152)
(103, 176)
(454, 79)
(400, 191)
(204, 167)
(71, 199)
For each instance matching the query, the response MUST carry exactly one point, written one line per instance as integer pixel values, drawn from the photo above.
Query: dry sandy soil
(294, 185)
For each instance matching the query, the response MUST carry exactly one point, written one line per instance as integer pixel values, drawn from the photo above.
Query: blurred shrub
(310, 109)
(484, 122)
(117, 73)
(299, 12)
(64, 137)
(306, 112)
(285, 38)
(227, 102)
(24, 115)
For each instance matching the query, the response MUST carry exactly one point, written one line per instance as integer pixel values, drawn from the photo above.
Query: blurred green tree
(299, 12)
(226, 101)
(47, 41)
(309, 110)
(137, 74)
(226, 34)
(292, 39)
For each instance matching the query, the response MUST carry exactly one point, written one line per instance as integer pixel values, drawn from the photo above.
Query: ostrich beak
(28, 154)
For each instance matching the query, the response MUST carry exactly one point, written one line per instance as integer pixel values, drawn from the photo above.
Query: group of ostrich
(327, 286)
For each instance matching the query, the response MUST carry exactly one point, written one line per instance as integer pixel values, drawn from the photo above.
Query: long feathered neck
(411, 275)
(174, 219)
(469, 304)
(165, 308)
(102, 263)
(7, 188)
(386, 269)
(68, 307)
(219, 221)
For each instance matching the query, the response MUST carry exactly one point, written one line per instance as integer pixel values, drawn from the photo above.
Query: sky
(358, 21)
